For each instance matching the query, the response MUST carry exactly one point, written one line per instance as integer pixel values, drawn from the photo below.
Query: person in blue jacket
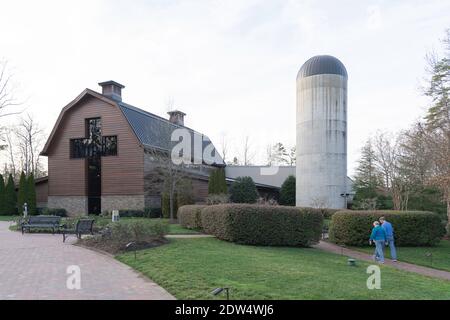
(389, 230)
(379, 237)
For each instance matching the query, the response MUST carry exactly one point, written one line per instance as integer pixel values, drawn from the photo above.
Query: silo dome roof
(322, 65)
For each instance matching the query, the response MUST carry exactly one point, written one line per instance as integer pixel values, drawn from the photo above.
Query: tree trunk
(171, 201)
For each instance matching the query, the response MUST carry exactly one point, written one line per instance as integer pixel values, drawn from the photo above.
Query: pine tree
(22, 194)
(2, 197)
(31, 195)
(287, 192)
(10, 197)
(367, 177)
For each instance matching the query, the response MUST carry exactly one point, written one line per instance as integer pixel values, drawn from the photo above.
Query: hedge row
(263, 225)
(411, 228)
(189, 216)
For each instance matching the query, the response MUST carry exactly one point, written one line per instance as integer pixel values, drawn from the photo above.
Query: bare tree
(387, 156)
(247, 153)
(7, 98)
(224, 147)
(29, 141)
(168, 174)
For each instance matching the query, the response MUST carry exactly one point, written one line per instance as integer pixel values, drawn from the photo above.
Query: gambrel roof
(152, 131)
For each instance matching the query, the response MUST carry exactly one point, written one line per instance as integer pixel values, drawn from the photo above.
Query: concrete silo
(321, 133)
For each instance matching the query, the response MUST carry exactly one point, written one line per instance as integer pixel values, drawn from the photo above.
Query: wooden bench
(83, 226)
(41, 222)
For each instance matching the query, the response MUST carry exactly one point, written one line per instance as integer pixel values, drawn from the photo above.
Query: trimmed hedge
(411, 228)
(263, 225)
(189, 216)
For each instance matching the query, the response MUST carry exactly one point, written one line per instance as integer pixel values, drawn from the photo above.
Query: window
(94, 145)
(109, 146)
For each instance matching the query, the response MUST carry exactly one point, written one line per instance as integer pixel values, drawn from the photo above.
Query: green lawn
(418, 255)
(192, 268)
(7, 218)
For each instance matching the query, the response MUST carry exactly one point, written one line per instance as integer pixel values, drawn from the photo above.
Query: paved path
(34, 266)
(330, 247)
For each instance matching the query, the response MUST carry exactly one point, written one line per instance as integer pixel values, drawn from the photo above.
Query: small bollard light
(132, 244)
(218, 291)
(430, 256)
(342, 249)
(351, 262)
(115, 216)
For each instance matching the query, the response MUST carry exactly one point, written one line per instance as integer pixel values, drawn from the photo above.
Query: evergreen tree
(217, 183)
(31, 195)
(2, 197)
(287, 192)
(243, 190)
(367, 178)
(22, 194)
(10, 197)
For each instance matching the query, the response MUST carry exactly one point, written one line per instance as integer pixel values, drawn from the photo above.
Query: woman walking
(379, 237)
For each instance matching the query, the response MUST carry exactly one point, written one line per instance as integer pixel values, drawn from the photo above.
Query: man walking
(387, 226)
(379, 237)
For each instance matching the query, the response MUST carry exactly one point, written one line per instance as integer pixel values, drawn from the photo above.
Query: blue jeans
(379, 255)
(392, 248)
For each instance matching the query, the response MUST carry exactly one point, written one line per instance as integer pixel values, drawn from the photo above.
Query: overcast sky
(230, 65)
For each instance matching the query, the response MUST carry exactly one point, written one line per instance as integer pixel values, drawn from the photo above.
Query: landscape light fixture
(430, 256)
(351, 262)
(132, 244)
(218, 291)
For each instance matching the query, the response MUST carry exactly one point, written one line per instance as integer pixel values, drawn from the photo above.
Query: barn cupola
(112, 89)
(177, 117)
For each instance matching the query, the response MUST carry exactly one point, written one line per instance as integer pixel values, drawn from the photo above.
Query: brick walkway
(330, 247)
(34, 266)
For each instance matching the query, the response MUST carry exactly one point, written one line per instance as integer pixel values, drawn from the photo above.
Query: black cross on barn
(92, 148)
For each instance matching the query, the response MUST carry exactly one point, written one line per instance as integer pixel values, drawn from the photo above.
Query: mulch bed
(100, 243)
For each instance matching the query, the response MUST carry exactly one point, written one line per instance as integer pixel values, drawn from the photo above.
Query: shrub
(166, 206)
(243, 190)
(411, 228)
(31, 195)
(190, 216)
(2, 196)
(131, 213)
(263, 225)
(60, 212)
(10, 197)
(184, 195)
(153, 212)
(217, 183)
(117, 235)
(217, 199)
(287, 192)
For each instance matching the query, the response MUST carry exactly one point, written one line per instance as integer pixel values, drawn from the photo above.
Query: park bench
(41, 222)
(83, 226)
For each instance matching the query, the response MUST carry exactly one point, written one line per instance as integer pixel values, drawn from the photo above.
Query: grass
(192, 268)
(418, 255)
(7, 218)
(103, 221)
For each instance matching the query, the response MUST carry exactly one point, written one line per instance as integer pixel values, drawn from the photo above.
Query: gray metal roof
(322, 65)
(154, 131)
